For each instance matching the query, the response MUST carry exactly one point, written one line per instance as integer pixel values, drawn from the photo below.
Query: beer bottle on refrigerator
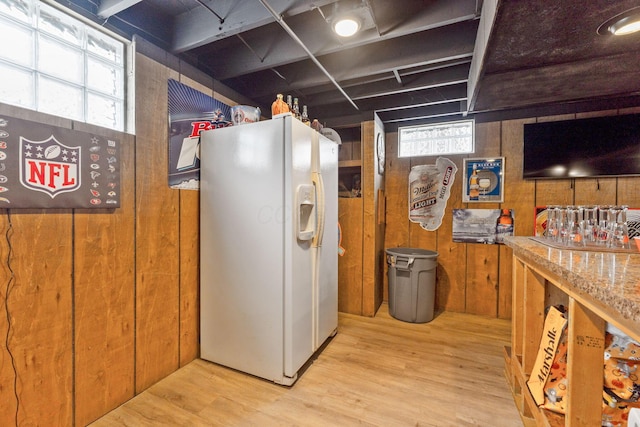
(504, 225)
(279, 106)
(290, 103)
(296, 109)
(305, 116)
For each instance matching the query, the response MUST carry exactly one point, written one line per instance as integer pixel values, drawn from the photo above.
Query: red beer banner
(43, 166)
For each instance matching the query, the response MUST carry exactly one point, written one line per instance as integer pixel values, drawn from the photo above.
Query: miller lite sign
(45, 166)
(49, 166)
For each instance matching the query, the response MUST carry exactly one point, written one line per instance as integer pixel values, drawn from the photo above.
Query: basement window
(437, 139)
(55, 63)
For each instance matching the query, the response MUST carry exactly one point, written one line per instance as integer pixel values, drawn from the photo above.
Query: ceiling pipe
(311, 55)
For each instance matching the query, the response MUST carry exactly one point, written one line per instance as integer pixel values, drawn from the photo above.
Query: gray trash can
(412, 283)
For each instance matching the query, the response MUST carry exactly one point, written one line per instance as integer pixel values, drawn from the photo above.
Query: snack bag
(554, 326)
(555, 388)
(619, 345)
(615, 413)
(621, 383)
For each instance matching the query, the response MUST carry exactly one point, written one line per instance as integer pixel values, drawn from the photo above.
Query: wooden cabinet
(591, 285)
(361, 216)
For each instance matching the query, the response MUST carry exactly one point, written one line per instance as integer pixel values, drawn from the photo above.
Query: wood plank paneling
(380, 218)
(520, 197)
(370, 187)
(627, 192)
(7, 376)
(397, 203)
(37, 276)
(104, 297)
(189, 276)
(597, 191)
(373, 237)
(452, 270)
(190, 262)
(40, 308)
(584, 357)
(157, 229)
(482, 260)
(350, 264)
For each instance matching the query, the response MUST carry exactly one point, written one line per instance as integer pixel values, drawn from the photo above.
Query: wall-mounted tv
(594, 147)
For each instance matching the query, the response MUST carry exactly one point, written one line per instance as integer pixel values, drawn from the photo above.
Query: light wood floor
(374, 372)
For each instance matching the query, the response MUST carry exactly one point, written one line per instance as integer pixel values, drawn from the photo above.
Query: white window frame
(125, 99)
(436, 139)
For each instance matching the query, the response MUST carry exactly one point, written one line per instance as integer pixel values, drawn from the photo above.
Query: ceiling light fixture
(346, 26)
(625, 23)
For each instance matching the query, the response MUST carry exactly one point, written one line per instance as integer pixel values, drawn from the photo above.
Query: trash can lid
(414, 252)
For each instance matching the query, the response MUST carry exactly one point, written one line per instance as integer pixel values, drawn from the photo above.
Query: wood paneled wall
(101, 304)
(476, 278)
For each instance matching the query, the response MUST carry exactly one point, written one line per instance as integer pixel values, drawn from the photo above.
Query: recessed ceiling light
(346, 27)
(622, 24)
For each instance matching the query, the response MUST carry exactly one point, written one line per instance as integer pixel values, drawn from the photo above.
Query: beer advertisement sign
(190, 112)
(43, 166)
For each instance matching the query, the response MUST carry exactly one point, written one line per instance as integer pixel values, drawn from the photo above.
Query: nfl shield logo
(49, 166)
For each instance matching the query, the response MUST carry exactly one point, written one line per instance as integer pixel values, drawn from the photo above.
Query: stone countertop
(608, 283)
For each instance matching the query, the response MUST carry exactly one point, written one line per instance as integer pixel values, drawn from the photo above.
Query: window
(437, 139)
(54, 63)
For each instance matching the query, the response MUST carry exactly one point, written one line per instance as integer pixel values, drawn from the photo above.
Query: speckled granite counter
(606, 282)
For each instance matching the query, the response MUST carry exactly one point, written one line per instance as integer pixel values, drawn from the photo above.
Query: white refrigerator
(268, 246)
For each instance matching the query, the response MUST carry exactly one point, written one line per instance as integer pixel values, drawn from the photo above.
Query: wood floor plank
(375, 372)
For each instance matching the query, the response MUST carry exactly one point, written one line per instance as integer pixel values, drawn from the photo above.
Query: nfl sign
(49, 166)
(43, 166)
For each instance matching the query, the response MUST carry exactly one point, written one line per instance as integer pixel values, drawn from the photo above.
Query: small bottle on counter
(279, 106)
(305, 116)
(316, 125)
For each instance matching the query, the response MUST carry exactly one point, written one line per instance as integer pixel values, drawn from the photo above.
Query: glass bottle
(290, 103)
(504, 225)
(296, 109)
(305, 116)
(574, 226)
(279, 106)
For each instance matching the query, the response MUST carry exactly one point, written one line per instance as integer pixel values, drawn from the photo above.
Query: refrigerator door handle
(316, 177)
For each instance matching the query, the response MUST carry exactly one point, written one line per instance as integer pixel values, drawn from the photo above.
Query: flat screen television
(593, 147)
